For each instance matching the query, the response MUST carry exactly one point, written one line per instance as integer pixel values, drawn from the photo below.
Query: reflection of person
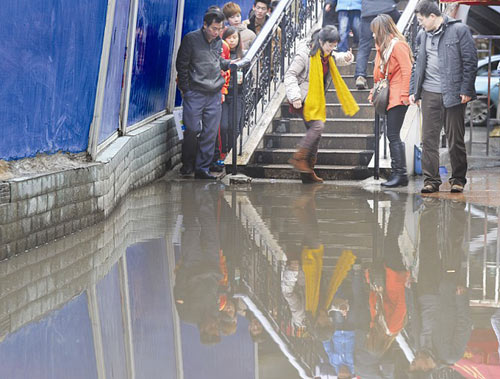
(311, 300)
(394, 57)
(441, 323)
(443, 78)
(388, 277)
(306, 82)
(200, 81)
(198, 281)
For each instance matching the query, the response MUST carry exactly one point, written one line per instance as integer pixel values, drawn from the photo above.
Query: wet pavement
(188, 279)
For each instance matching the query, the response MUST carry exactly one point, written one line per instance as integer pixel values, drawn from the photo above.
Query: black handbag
(380, 97)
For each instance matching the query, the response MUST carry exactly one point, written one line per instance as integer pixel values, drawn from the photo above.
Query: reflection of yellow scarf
(315, 104)
(312, 265)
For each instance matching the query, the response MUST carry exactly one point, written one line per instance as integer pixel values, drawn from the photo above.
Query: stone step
(350, 80)
(325, 156)
(328, 141)
(360, 95)
(335, 111)
(351, 69)
(327, 172)
(337, 125)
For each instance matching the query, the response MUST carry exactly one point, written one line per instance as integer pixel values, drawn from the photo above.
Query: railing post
(377, 147)
(234, 118)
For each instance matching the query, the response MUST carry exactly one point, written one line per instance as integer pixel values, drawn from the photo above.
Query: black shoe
(429, 188)
(215, 168)
(396, 181)
(200, 174)
(186, 170)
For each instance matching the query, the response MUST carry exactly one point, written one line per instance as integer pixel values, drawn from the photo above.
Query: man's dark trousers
(434, 115)
(201, 116)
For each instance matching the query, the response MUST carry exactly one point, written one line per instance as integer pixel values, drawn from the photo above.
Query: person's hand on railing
(297, 104)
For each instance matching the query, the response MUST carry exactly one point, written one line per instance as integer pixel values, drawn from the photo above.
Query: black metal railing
(266, 62)
(483, 52)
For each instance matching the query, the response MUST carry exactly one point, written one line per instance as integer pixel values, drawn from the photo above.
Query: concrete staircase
(345, 149)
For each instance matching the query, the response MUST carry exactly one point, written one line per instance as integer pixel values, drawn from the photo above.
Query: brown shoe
(300, 160)
(457, 188)
(314, 177)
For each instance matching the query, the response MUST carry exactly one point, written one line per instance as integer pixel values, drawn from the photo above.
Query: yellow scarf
(315, 104)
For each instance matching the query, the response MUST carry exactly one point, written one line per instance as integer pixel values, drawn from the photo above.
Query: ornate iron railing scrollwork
(266, 62)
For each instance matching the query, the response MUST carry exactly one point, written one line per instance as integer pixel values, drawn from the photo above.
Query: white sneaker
(361, 83)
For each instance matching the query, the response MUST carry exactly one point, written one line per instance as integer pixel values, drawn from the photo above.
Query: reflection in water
(194, 280)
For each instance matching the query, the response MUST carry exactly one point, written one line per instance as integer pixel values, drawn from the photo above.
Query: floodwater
(197, 280)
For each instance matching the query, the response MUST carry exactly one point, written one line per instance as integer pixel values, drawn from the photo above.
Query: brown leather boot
(314, 177)
(300, 160)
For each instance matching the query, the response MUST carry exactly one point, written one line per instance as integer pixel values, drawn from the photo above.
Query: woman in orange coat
(394, 56)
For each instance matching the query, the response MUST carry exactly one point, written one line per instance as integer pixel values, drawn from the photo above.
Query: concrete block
(21, 245)
(32, 206)
(60, 231)
(4, 192)
(42, 203)
(41, 237)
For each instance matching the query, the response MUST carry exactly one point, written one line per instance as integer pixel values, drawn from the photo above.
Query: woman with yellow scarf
(306, 81)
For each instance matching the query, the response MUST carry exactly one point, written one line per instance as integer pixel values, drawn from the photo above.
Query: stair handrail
(408, 26)
(264, 65)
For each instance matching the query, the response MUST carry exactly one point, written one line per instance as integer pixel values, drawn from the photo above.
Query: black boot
(399, 177)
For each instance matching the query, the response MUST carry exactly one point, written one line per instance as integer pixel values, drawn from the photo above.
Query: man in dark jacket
(199, 64)
(369, 10)
(443, 77)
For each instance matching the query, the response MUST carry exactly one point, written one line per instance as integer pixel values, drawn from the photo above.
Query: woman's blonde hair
(385, 30)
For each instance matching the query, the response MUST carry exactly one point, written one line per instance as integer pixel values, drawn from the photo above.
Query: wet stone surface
(202, 280)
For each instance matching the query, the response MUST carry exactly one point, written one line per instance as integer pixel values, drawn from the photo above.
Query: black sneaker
(215, 168)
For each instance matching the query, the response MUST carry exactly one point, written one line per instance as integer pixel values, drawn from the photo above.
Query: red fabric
(476, 2)
(394, 300)
(226, 54)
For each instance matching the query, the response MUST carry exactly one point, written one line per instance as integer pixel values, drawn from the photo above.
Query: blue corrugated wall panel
(114, 79)
(153, 58)
(50, 53)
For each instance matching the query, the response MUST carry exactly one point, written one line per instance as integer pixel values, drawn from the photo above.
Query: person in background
(443, 77)
(232, 11)
(199, 64)
(306, 82)
(231, 36)
(394, 56)
(349, 14)
(369, 10)
(329, 14)
(260, 15)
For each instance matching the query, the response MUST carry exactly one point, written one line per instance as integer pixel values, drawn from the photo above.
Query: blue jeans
(366, 42)
(348, 20)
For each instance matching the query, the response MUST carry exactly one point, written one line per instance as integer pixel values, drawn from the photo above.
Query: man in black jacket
(199, 64)
(443, 77)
